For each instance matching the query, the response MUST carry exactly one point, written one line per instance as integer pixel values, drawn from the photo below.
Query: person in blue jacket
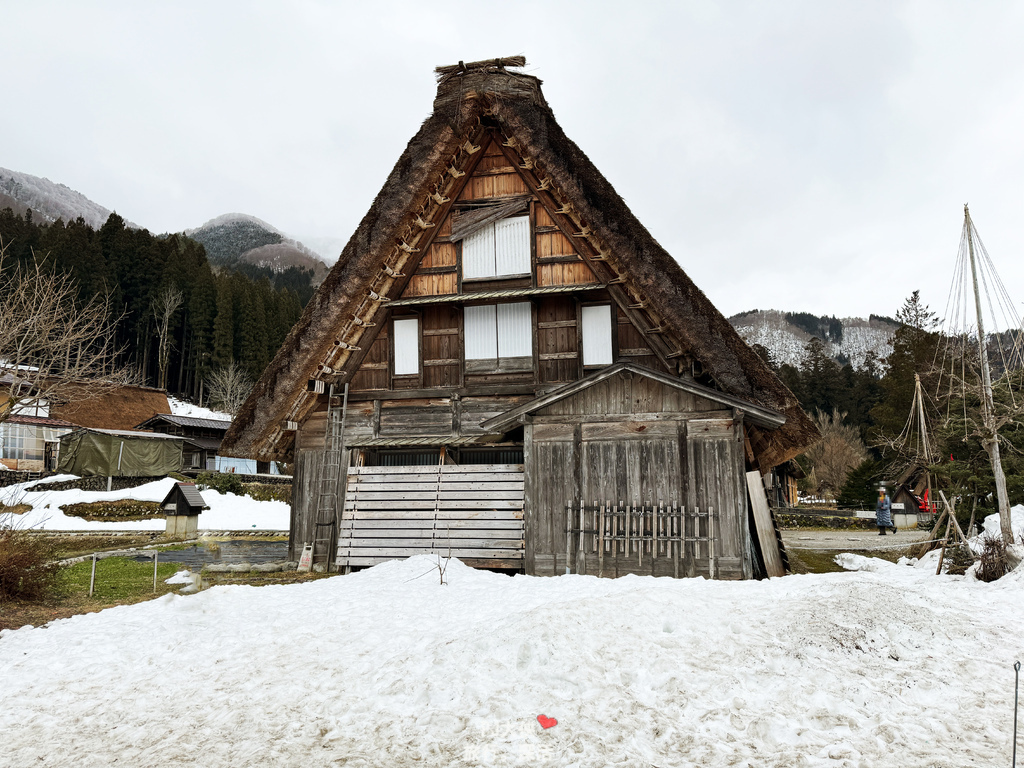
(883, 513)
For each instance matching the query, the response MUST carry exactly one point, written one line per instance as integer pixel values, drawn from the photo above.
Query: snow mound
(991, 525)
(228, 512)
(391, 667)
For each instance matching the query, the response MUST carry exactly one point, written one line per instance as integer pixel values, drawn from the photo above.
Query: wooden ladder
(329, 488)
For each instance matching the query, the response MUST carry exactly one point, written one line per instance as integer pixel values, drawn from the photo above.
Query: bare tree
(229, 386)
(164, 307)
(839, 450)
(51, 348)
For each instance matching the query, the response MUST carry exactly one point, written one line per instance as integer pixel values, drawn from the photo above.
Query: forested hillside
(213, 318)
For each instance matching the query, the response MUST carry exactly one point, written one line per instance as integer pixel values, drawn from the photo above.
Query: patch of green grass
(121, 579)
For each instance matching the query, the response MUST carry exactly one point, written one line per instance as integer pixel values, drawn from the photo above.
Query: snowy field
(227, 512)
(890, 666)
(185, 408)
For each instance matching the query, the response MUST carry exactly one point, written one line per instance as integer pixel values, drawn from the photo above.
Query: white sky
(804, 156)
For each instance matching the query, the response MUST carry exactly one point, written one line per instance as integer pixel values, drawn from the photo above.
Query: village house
(505, 366)
(202, 444)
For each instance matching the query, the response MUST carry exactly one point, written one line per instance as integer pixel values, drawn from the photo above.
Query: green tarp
(111, 453)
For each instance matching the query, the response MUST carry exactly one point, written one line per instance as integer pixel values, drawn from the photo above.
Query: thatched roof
(120, 408)
(470, 96)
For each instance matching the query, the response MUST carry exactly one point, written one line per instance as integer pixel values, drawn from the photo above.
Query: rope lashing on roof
(639, 305)
(392, 273)
(363, 323)
(600, 256)
(585, 232)
(455, 172)
(406, 247)
(423, 224)
(510, 142)
(544, 183)
(565, 210)
(325, 368)
(527, 164)
(470, 148)
(345, 345)
(374, 296)
(438, 198)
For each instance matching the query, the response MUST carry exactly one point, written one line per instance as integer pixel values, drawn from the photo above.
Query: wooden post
(581, 553)
(156, 559)
(924, 548)
(942, 554)
(654, 533)
(92, 578)
(711, 541)
(956, 524)
(568, 536)
(600, 544)
(677, 515)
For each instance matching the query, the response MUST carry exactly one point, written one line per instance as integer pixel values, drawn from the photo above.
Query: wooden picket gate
(472, 512)
(610, 538)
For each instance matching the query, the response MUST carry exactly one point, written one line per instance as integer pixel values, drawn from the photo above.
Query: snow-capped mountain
(239, 238)
(48, 200)
(785, 335)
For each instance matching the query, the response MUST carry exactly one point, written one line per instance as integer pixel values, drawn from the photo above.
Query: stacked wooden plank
(472, 512)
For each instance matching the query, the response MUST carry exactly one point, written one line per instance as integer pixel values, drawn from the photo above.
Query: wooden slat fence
(472, 512)
(676, 536)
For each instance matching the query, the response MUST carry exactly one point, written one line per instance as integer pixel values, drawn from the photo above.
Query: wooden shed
(505, 366)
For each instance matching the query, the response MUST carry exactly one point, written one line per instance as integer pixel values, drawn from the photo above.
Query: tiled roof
(188, 421)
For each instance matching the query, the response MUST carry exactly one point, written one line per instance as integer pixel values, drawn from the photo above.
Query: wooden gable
(492, 138)
(555, 262)
(633, 397)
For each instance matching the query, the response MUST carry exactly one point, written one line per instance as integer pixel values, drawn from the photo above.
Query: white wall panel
(512, 246)
(481, 333)
(478, 254)
(515, 330)
(407, 346)
(597, 335)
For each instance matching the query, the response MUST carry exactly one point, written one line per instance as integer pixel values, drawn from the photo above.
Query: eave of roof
(504, 293)
(186, 421)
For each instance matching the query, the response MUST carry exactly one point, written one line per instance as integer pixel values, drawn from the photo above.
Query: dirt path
(850, 540)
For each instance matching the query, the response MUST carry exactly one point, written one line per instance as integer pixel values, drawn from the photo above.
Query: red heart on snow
(546, 722)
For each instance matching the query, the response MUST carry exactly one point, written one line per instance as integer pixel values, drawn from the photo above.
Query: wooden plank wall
(633, 345)
(442, 346)
(558, 263)
(629, 395)
(635, 440)
(474, 513)
(558, 339)
(494, 177)
(719, 482)
(551, 473)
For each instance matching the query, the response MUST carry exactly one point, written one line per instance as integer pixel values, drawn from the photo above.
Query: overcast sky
(807, 156)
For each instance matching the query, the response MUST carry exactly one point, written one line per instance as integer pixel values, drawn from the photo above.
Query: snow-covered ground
(183, 408)
(890, 666)
(227, 512)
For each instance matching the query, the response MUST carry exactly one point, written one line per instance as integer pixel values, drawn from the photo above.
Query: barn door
(715, 459)
(551, 478)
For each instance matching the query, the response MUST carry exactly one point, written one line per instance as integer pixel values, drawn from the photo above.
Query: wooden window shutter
(597, 334)
(407, 346)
